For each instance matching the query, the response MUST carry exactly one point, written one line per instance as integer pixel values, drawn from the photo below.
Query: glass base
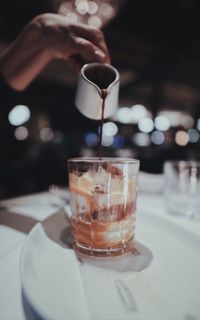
(104, 252)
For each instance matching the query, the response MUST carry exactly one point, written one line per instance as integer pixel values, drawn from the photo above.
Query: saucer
(162, 282)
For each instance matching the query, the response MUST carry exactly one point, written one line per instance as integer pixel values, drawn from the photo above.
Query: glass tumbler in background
(182, 188)
(103, 204)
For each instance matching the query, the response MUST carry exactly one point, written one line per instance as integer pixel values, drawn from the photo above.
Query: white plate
(59, 286)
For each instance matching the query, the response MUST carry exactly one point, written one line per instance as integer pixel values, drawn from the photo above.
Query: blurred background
(155, 45)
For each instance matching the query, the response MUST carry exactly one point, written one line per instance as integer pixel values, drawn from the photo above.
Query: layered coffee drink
(103, 203)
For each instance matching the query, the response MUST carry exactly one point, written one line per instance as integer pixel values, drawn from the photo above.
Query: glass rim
(110, 160)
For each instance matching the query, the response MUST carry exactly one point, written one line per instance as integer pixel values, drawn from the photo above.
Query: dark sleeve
(8, 96)
(4, 87)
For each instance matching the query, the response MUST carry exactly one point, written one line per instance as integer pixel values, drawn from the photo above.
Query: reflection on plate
(60, 286)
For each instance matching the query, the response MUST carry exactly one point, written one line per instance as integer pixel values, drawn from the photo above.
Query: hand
(48, 37)
(72, 41)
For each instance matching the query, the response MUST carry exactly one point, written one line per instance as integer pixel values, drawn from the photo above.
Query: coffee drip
(102, 77)
(104, 93)
(97, 93)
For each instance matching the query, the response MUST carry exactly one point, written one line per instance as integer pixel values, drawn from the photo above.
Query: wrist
(39, 26)
(25, 57)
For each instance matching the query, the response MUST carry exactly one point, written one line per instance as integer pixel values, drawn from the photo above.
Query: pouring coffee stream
(104, 94)
(97, 93)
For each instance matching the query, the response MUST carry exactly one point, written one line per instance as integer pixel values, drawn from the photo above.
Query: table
(19, 215)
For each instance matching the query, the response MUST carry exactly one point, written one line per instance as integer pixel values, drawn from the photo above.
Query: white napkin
(34, 210)
(9, 239)
(10, 286)
(36, 206)
(56, 281)
(51, 279)
(60, 286)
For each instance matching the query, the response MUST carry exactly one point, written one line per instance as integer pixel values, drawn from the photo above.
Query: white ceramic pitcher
(93, 78)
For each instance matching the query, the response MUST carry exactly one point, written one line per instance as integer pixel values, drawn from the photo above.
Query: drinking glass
(103, 203)
(182, 187)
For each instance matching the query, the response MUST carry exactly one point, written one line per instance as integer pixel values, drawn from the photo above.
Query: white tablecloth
(37, 207)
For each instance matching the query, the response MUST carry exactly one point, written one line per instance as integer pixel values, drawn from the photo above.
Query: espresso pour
(94, 78)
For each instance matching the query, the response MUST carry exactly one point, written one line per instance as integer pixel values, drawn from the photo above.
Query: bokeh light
(82, 7)
(79, 1)
(95, 21)
(124, 115)
(107, 141)
(146, 125)
(110, 129)
(178, 118)
(46, 134)
(91, 139)
(19, 115)
(125, 153)
(162, 123)
(21, 133)
(198, 124)
(138, 112)
(119, 142)
(181, 138)
(187, 121)
(141, 139)
(72, 16)
(87, 152)
(94, 12)
(174, 117)
(107, 10)
(92, 7)
(193, 135)
(157, 137)
(65, 7)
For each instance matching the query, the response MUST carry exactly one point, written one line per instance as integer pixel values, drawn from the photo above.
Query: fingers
(95, 36)
(66, 39)
(88, 51)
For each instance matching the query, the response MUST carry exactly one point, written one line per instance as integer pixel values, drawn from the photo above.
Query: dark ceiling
(159, 42)
(156, 47)
(168, 22)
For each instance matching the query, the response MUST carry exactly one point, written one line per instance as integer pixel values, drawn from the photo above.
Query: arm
(24, 58)
(49, 37)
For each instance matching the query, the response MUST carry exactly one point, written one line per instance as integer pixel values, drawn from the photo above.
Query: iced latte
(103, 203)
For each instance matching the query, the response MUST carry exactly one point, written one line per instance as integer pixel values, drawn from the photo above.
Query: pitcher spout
(97, 82)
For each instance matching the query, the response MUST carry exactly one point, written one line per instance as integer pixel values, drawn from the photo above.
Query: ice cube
(100, 180)
(98, 188)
